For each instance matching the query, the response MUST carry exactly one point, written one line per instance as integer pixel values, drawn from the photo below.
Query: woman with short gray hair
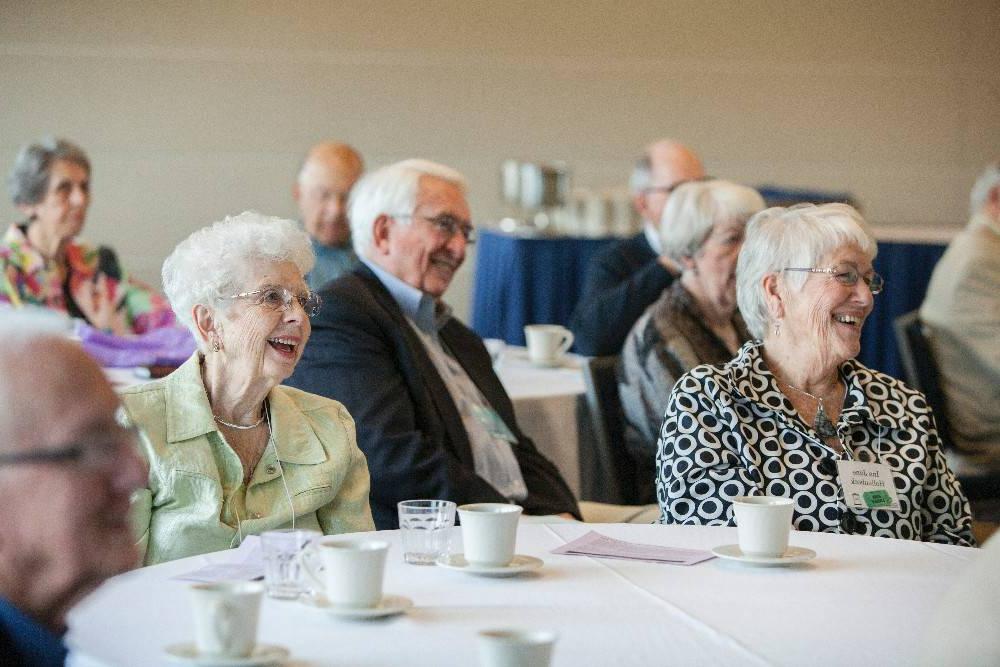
(42, 263)
(695, 320)
(794, 414)
(231, 452)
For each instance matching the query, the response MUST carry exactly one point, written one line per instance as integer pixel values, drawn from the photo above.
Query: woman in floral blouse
(794, 414)
(42, 264)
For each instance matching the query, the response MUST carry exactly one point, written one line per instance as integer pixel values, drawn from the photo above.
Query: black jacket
(622, 281)
(364, 353)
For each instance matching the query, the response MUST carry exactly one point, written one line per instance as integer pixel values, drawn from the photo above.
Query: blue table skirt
(538, 281)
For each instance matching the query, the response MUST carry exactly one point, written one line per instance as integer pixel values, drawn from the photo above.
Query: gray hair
(215, 261)
(29, 179)
(799, 236)
(391, 190)
(989, 179)
(695, 208)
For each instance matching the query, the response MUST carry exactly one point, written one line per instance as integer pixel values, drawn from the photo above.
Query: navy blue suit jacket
(364, 353)
(622, 281)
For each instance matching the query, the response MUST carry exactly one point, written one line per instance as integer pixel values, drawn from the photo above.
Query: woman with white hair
(42, 263)
(695, 320)
(230, 452)
(794, 414)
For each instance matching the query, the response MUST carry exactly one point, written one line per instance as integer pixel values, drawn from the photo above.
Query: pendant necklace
(821, 422)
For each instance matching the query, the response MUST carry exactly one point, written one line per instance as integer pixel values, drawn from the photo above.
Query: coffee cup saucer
(519, 564)
(264, 655)
(389, 605)
(791, 556)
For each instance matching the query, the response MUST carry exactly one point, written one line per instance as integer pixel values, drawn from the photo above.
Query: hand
(101, 301)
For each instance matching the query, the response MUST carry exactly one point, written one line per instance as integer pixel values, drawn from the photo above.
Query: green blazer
(196, 502)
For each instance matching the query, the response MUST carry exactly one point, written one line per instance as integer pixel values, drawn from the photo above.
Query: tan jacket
(196, 502)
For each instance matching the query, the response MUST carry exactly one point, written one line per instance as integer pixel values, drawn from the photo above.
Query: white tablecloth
(548, 403)
(861, 601)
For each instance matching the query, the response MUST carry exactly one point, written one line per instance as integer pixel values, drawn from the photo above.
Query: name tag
(868, 486)
(491, 421)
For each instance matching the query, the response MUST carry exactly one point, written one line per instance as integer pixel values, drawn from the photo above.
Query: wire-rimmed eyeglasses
(96, 455)
(447, 225)
(848, 275)
(277, 297)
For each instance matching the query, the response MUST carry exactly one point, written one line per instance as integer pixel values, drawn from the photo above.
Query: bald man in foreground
(324, 183)
(67, 470)
(626, 277)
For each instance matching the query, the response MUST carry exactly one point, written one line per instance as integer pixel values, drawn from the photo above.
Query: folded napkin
(601, 546)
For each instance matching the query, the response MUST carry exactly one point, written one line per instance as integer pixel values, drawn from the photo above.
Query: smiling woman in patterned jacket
(794, 414)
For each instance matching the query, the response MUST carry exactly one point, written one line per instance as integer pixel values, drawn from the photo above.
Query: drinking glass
(282, 564)
(426, 527)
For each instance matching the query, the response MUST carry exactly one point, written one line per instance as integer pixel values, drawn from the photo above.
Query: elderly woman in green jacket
(230, 451)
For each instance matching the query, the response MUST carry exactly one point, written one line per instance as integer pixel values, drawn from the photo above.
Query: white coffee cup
(515, 648)
(225, 618)
(489, 532)
(547, 343)
(350, 572)
(763, 524)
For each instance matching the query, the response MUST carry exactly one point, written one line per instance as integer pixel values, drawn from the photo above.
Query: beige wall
(192, 110)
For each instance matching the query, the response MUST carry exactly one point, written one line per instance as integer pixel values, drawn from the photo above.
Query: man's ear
(382, 229)
(209, 329)
(773, 296)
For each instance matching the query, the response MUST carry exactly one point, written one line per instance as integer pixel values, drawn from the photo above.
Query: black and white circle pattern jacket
(729, 431)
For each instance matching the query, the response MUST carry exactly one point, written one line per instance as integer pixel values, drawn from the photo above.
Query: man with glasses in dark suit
(67, 470)
(431, 415)
(626, 277)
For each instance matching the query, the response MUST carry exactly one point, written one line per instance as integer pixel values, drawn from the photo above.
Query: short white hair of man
(989, 179)
(216, 261)
(695, 208)
(392, 191)
(799, 236)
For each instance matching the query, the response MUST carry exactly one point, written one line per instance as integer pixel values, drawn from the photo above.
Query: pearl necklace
(241, 427)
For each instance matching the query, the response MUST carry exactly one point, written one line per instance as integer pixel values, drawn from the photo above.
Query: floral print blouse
(729, 431)
(28, 278)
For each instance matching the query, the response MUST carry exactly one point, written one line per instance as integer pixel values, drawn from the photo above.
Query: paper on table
(244, 563)
(601, 546)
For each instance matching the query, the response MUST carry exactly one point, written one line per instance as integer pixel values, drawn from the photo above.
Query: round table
(860, 600)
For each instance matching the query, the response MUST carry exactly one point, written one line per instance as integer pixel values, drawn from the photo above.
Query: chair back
(920, 368)
(607, 474)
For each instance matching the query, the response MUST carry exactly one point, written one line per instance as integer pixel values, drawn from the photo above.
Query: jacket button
(271, 470)
(256, 515)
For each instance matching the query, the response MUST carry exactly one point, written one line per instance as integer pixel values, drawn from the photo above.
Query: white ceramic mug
(763, 524)
(225, 618)
(349, 572)
(489, 532)
(547, 343)
(515, 648)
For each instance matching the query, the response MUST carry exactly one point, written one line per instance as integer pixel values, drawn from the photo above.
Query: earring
(216, 346)
(777, 328)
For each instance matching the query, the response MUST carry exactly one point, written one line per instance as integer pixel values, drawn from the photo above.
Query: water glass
(282, 562)
(426, 527)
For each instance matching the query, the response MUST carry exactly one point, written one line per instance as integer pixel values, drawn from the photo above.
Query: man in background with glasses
(67, 471)
(431, 415)
(321, 190)
(628, 276)
(962, 309)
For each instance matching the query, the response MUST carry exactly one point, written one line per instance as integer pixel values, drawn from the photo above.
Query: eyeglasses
(94, 456)
(667, 189)
(276, 297)
(447, 225)
(848, 275)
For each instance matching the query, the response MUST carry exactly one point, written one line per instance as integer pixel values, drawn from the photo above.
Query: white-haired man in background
(321, 190)
(962, 308)
(431, 415)
(67, 470)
